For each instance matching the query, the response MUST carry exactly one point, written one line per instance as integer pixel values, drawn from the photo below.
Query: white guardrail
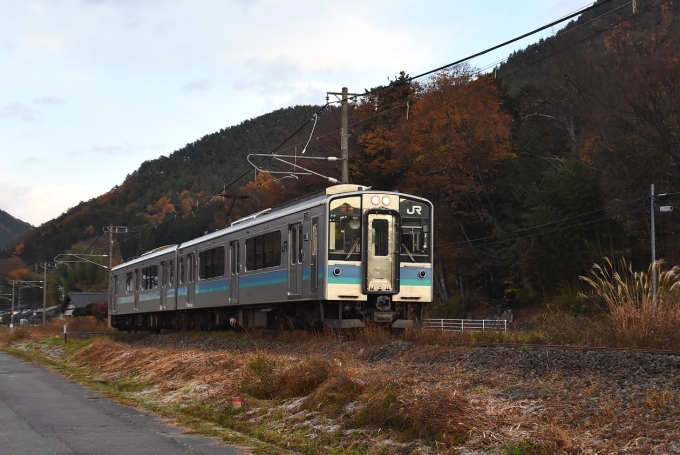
(465, 325)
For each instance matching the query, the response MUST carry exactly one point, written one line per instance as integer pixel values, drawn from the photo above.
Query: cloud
(49, 100)
(30, 160)
(267, 77)
(20, 111)
(12, 198)
(50, 42)
(116, 149)
(36, 205)
(198, 84)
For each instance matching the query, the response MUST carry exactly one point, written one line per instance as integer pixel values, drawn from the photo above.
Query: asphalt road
(43, 413)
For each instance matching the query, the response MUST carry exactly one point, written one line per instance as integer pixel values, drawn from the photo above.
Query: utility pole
(111, 229)
(653, 235)
(344, 133)
(44, 290)
(11, 314)
(344, 139)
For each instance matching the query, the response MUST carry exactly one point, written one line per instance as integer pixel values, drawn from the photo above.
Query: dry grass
(373, 395)
(627, 295)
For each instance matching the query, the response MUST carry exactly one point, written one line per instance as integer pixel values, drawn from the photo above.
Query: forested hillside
(11, 228)
(537, 170)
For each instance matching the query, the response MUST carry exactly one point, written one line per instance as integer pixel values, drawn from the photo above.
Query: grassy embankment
(320, 394)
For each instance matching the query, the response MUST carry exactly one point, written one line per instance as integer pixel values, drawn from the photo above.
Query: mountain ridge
(11, 228)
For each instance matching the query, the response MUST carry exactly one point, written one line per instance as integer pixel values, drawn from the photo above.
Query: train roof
(160, 251)
(302, 203)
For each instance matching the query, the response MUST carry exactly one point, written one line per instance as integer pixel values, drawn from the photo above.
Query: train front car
(379, 262)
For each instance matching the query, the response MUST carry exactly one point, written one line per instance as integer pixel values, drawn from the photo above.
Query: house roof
(83, 299)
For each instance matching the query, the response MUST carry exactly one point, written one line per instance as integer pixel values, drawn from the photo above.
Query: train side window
(180, 272)
(301, 245)
(128, 283)
(163, 275)
(314, 253)
(211, 263)
(263, 251)
(276, 248)
(149, 278)
(191, 268)
(171, 273)
(293, 248)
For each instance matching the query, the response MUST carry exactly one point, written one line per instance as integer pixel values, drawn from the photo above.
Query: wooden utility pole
(11, 314)
(653, 238)
(44, 290)
(344, 133)
(111, 229)
(344, 139)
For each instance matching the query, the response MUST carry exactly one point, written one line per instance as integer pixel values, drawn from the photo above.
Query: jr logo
(414, 209)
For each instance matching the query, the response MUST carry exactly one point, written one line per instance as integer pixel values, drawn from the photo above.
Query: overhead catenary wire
(402, 105)
(139, 232)
(468, 243)
(578, 12)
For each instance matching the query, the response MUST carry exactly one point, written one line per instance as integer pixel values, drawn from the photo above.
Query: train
(341, 258)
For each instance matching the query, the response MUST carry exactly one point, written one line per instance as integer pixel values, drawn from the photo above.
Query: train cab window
(415, 230)
(380, 231)
(211, 263)
(344, 229)
(263, 251)
(129, 286)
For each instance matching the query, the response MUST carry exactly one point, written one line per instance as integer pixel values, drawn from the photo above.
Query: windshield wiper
(351, 250)
(408, 252)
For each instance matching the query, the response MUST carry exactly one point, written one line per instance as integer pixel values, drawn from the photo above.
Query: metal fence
(463, 325)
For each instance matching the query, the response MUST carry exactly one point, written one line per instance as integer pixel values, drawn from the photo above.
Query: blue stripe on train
(349, 274)
(264, 279)
(213, 286)
(409, 276)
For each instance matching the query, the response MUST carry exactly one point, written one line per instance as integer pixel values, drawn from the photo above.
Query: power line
(468, 243)
(402, 105)
(569, 16)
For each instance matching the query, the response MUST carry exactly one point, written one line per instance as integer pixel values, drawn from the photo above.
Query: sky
(90, 89)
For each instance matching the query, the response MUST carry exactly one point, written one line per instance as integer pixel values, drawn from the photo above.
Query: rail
(463, 325)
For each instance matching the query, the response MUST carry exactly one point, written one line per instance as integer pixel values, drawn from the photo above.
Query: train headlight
(422, 274)
(337, 271)
(386, 200)
(375, 200)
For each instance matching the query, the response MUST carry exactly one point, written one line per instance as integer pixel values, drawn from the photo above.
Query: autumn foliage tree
(449, 148)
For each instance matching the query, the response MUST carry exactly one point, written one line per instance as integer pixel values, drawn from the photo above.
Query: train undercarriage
(285, 316)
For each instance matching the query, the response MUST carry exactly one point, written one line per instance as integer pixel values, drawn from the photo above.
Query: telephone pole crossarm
(344, 134)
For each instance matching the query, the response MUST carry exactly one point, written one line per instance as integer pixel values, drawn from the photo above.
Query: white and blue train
(339, 258)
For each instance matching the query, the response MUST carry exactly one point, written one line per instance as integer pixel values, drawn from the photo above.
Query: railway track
(274, 335)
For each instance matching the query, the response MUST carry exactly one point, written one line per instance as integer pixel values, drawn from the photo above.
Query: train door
(172, 297)
(314, 257)
(296, 259)
(382, 254)
(164, 285)
(135, 288)
(191, 278)
(114, 294)
(235, 266)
